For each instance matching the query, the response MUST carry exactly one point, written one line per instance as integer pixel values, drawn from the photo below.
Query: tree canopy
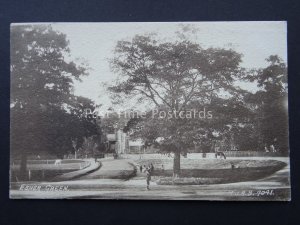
(173, 73)
(270, 101)
(45, 114)
(177, 76)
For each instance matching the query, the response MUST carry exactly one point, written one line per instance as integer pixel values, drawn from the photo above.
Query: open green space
(212, 171)
(38, 170)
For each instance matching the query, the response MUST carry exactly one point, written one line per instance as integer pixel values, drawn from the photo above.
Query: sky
(94, 43)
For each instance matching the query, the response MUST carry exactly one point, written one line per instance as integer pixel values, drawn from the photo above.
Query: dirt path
(112, 169)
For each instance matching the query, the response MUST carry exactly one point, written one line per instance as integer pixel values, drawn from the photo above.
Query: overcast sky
(95, 43)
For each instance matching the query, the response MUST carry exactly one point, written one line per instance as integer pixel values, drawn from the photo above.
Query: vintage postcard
(155, 111)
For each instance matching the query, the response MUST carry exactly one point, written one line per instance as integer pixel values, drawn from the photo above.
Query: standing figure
(272, 148)
(151, 168)
(144, 168)
(148, 178)
(266, 149)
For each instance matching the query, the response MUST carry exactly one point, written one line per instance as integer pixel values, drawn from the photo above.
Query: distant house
(136, 146)
(120, 143)
(111, 140)
(117, 142)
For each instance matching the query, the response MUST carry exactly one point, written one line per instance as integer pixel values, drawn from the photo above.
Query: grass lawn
(212, 171)
(46, 169)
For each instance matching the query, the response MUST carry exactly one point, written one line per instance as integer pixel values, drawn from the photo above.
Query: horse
(57, 162)
(221, 154)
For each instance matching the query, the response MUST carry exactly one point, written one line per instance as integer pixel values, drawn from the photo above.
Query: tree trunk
(176, 165)
(23, 166)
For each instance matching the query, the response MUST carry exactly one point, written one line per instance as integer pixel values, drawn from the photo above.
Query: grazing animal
(57, 162)
(221, 154)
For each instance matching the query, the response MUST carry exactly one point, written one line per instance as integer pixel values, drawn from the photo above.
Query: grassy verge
(213, 171)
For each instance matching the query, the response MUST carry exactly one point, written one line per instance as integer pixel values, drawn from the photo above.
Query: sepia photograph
(149, 111)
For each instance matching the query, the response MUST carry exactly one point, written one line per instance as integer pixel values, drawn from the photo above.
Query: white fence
(200, 155)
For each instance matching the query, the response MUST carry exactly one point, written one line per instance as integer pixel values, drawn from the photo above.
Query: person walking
(151, 168)
(144, 169)
(148, 178)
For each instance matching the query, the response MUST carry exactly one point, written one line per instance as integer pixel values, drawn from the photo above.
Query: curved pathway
(112, 169)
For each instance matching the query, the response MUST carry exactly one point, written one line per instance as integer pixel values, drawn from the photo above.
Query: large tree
(44, 110)
(174, 75)
(270, 102)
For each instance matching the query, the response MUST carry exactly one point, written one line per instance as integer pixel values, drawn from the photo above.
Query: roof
(136, 143)
(111, 137)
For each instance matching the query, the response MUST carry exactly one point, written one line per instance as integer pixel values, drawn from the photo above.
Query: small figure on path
(148, 178)
(141, 168)
(151, 168)
(144, 169)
